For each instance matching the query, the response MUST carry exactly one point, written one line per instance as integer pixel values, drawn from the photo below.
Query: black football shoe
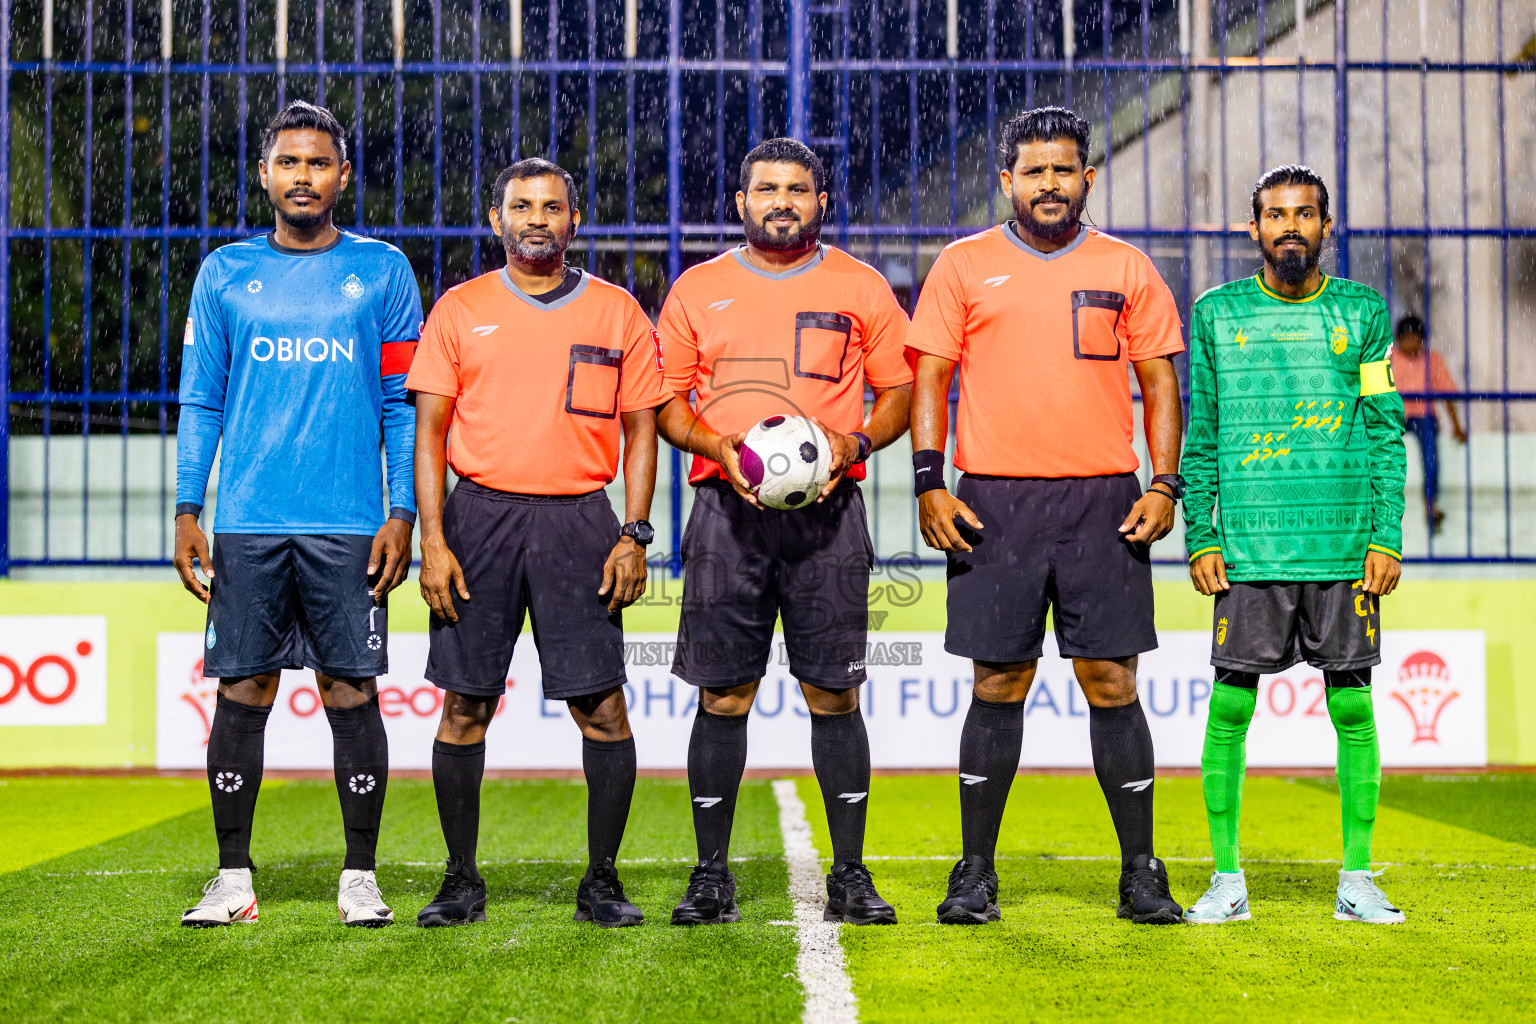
(461, 900)
(1144, 896)
(972, 895)
(852, 899)
(600, 899)
(711, 896)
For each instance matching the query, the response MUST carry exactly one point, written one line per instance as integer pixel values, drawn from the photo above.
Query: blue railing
(127, 132)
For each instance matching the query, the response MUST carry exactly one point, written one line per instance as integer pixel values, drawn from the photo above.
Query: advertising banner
(1430, 697)
(53, 670)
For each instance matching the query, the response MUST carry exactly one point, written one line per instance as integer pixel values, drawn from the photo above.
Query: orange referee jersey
(754, 344)
(539, 386)
(1042, 341)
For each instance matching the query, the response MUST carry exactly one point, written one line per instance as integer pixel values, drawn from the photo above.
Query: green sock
(1221, 767)
(1359, 770)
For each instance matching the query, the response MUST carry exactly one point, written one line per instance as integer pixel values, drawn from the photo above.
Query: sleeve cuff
(403, 514)
(1373, 546)
(188, 508)
(1212, 549)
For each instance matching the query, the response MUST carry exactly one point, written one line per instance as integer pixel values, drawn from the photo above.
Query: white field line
(820, 965)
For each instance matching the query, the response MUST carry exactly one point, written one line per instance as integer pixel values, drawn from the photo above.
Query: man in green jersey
(1296, 439)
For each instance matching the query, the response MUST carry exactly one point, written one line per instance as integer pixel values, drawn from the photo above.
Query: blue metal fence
(126, 152)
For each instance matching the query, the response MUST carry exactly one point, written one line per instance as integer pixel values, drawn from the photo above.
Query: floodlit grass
(91, 933)
(80, 945)
(1060, 954)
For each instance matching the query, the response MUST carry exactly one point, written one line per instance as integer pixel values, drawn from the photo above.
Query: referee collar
(536, 302)
(1011, 232)
(740, 252)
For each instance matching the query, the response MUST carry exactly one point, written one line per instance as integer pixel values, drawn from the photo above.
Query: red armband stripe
(396, 357)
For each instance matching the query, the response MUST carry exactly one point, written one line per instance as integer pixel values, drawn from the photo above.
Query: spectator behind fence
(1417, 371)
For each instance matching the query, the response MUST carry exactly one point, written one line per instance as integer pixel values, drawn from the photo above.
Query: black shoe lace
(967, 875)
(455, 886)
(857, 881)
(604, 886)
(704, 880)
(1149, 882)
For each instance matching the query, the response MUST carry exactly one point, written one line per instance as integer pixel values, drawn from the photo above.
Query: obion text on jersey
(295, 350)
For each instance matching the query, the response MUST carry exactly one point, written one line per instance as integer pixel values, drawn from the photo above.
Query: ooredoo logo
(53, 670)
(1424, 689)
(29, 678)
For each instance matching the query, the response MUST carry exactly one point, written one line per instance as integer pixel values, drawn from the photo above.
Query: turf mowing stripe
(820, 965)
(47, 817)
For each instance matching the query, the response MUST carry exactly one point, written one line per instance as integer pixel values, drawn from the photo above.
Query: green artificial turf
(94, 935)
(1060, 954)
(91, 934)
(45, 817)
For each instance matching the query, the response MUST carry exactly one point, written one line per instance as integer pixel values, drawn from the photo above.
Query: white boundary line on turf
(820, 966)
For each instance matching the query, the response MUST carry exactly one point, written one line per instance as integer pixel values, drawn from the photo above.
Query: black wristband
(927, 470)
(866, 446)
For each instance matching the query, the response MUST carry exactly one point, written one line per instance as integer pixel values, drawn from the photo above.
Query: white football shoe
(227, 899)
(1360, 899)
(359, 901)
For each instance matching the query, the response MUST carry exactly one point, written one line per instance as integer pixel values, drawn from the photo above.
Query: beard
(1292, 267)
(1024, 211)
(538, 254)
(301, 220)
(760, 236)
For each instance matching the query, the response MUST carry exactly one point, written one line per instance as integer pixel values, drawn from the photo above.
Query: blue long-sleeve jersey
(298, 359)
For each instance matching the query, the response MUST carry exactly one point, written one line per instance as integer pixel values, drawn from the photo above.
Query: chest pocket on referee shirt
(821, 345)
(592, 385)
(1094, 318)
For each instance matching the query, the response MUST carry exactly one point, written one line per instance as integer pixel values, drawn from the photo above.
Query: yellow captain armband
(1376, 378)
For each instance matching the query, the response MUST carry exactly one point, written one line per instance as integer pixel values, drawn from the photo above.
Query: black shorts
(1049, 543)
(294, 601)
(1268, 627)
(537, 555)
(748, 567)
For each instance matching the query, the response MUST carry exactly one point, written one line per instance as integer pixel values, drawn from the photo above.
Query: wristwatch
(640, 531)
(1172, 481)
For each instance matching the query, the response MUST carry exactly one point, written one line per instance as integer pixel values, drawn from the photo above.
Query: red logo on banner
(1424, 689)
(54, 687)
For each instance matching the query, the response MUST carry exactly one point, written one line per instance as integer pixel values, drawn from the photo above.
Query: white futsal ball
(787, 460)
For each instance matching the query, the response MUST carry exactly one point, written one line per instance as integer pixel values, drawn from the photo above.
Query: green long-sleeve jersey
(1295, 432)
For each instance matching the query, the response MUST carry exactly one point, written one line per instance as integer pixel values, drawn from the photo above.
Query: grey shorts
(1268, 627)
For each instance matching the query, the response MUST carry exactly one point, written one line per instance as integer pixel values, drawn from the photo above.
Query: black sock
(1122, 759)
(717, 755)
(990, 743)
(610, 769)
(456, 773)
(362, 772)
(235, 748)
(840, 753)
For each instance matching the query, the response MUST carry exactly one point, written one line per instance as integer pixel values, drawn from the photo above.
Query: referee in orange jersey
(538, 368)
(1041, 314)
(781, 325)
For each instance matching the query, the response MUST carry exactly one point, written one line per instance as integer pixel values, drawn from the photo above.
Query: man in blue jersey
(296, 350)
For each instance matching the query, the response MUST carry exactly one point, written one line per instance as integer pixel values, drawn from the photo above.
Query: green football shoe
(1226, 900)
(1359, 899)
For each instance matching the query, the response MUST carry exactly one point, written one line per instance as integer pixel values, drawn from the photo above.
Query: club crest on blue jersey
(253, 286)
(352, 288)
